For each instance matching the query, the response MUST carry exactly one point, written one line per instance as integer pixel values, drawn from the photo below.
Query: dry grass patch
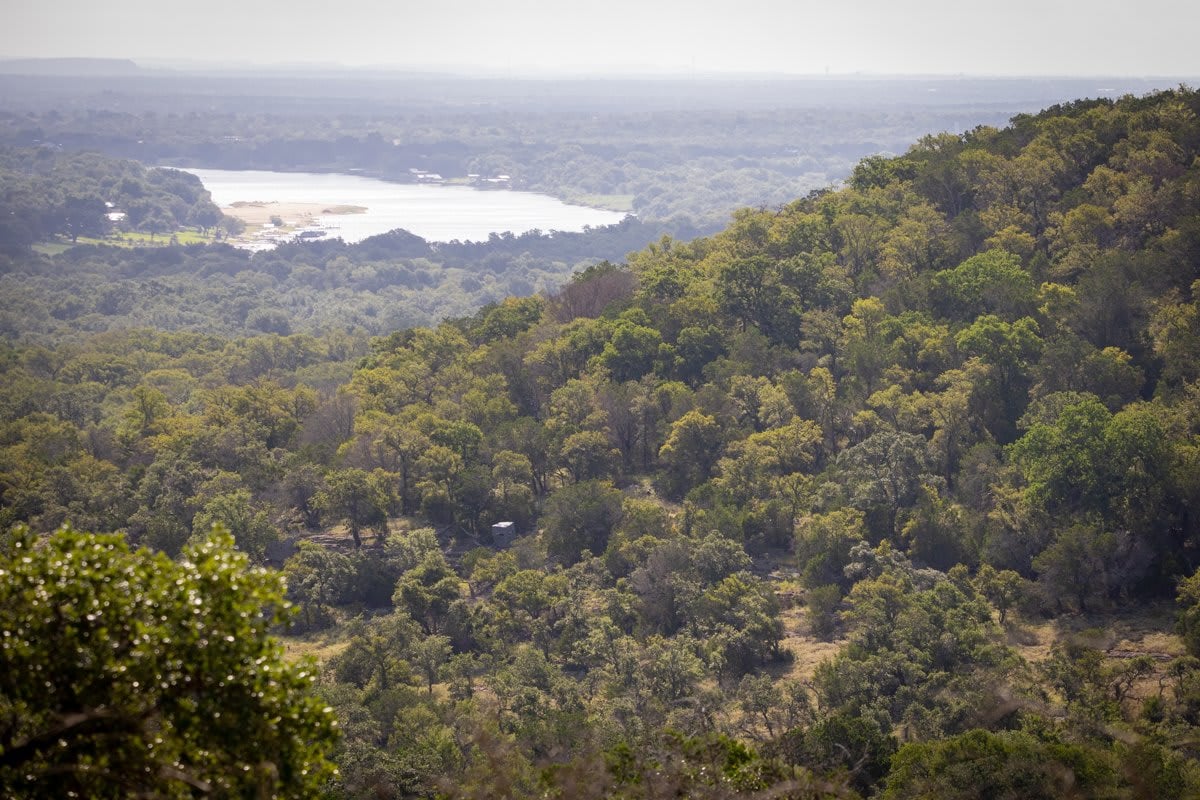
(807, 650)
(1032, 640)
(323, 646)
(1120, 635)
(1148, 630)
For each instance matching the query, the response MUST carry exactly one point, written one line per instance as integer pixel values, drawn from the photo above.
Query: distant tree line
(694, 163)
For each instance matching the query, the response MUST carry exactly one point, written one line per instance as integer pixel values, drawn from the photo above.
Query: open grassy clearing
(1119, 635)
(321, 645)
(613, 202)
(127, 239)
(52, 248)
(1148, 630)
(807, 650)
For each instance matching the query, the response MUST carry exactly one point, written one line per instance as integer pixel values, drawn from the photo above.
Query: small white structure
(503, 534)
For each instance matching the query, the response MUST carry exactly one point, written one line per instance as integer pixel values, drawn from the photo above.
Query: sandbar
(295, 215)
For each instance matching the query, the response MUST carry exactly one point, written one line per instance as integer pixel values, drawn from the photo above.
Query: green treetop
(128, 674)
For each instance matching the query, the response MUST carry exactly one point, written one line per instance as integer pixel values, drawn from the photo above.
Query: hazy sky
(1016, 37)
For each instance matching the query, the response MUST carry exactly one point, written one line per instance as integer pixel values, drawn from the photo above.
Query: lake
(437, 213)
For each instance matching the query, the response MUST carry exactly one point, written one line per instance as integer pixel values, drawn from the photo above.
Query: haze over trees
(668, 150)
(843, 500)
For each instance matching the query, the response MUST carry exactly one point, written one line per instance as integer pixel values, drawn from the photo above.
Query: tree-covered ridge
(48, 193)
(394, 280)
(913, 416)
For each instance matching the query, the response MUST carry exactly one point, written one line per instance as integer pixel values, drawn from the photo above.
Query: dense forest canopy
(373, 287)
(795, 501)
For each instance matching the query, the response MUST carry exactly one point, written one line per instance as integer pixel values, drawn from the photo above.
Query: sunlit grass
(51, 248)
(613, 202)
(127, 239)
(321, 645)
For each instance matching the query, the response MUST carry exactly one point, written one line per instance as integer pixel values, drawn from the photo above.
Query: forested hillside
(394, 280)
(795, 501)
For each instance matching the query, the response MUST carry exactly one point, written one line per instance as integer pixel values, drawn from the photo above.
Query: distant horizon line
(192, 66)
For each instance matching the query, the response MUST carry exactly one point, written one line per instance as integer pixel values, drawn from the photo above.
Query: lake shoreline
(280, 206)
(618, 204)
(293, 218)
